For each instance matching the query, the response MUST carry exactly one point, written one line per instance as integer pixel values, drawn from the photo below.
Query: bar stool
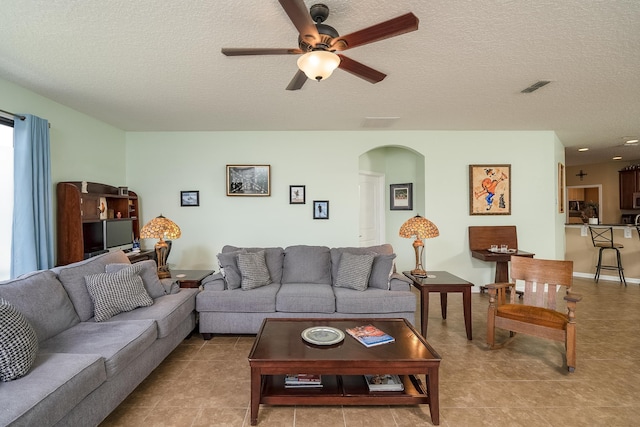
(602, 238)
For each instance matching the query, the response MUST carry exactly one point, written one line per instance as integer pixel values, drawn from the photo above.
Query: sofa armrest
(214, 282)
(170, 286)
(399, 282)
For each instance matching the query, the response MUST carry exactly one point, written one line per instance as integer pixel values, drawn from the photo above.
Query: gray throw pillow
(114, 293)
(354, 271)
(381, 271)
(228, 262)
(149, 274)
(253, 269)
(18, 343)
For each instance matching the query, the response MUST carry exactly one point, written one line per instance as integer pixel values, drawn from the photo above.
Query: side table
(443, 282)
(190, 278)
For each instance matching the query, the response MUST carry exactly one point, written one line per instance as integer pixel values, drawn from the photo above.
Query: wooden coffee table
(279, 349)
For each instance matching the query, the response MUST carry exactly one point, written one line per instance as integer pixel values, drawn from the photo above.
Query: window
(6, 195)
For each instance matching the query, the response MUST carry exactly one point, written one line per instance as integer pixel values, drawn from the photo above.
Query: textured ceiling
(146, 65)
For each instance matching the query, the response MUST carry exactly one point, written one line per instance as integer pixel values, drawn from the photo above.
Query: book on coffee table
(384, 382)
(370, 336)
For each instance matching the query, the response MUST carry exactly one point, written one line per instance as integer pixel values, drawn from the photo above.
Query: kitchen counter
(580, 250)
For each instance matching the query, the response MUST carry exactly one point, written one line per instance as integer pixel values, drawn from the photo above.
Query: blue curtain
(32, 242)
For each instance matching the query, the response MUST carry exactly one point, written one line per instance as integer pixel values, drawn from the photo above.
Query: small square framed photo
(297, 195)
(189, 198)
(401, 197)
(320, 209)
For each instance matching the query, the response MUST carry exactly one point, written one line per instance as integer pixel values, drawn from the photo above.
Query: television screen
(118, 234)
(92, 236)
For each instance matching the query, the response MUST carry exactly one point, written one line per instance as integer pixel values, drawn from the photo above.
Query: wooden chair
(537, 314)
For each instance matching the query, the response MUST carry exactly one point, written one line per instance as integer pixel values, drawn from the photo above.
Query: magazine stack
(302, 381)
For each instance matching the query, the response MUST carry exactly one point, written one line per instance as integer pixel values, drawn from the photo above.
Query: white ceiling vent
(537, 85)
(379, 122)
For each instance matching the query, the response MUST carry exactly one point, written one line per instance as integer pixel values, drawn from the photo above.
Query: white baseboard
(606, 278)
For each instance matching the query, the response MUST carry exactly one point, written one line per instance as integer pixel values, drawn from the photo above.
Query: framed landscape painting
(490, 189)
(189, 198)
(248, 180)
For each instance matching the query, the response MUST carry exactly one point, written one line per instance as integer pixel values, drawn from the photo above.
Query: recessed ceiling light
(583, 149)
(617, 158)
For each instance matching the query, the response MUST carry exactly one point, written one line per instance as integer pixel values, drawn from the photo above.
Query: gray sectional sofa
(302, 281)
(84, 369)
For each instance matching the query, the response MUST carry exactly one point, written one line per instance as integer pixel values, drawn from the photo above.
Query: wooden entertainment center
(76, 208)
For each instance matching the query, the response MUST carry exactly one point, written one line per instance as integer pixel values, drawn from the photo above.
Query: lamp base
(164, 274)
(419, 273)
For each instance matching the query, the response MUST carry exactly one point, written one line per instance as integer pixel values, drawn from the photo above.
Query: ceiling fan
(318, 43)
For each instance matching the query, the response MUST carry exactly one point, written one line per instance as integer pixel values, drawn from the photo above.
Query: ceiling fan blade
(384, 30)
(297, 81)
(299, 15)
(260, 51)
(360, 70)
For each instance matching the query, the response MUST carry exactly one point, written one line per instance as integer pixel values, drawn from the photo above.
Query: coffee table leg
(256, 389)
(433, 392)
(466, 302)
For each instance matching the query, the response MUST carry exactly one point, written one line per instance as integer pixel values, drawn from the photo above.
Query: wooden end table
(279, 350)
(191, 278)
(443, 282)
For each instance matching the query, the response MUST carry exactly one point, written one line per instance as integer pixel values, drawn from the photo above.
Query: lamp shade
(160, 228)
(318, 64)
(419, 227)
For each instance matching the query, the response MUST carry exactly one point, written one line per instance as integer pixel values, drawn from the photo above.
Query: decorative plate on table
(322, 335)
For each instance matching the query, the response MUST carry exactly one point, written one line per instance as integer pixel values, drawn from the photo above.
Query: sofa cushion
(374, 301)
(149, 274)
(18, 343)
(382, 264)
(354, 271)
(168, 311)
(228, 262)
(259, 300)
(307, 264)
(119, 343)
(42, 300)
(273, 256)
(72, 278)
(305, 298)
(253, 270)
(113, 293)
(53, 387)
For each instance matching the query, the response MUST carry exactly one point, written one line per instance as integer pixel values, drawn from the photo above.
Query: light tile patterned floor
(206, 383)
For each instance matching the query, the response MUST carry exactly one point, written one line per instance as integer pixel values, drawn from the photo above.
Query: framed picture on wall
(490, 189)
(248, 180)
(401, 197)
(320, 209)
(297, 195)
(190, 198)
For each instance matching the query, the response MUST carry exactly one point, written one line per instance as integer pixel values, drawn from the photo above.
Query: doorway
(371, 193)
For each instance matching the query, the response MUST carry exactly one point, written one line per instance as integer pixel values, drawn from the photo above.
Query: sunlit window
(6, 196)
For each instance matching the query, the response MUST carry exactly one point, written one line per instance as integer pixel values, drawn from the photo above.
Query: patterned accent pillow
(114, 293)
(354, 271)
(18, 343)
(148, 273)
(253, 269)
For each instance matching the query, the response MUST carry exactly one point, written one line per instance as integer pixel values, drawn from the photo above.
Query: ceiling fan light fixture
(318, 64)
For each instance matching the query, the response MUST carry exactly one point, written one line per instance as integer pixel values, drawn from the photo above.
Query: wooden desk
(502, 262)
(443, 282)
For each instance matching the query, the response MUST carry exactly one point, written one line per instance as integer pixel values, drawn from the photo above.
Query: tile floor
(206, 383)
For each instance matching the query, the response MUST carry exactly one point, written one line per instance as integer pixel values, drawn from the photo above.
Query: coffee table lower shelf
(341, 390)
